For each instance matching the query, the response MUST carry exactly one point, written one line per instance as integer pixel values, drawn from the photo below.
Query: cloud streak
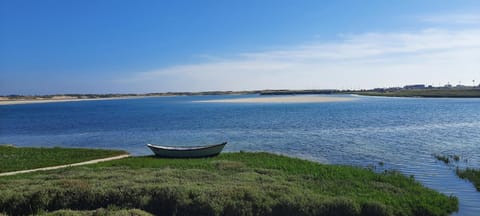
(460, 18)
(431, 56)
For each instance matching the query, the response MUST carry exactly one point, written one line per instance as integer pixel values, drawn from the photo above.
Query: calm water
(403, 133)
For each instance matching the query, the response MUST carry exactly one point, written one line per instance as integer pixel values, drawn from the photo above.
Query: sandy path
(64, 166)
(282, 99)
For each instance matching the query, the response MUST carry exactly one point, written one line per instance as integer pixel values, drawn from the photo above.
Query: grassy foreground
(473, 175)
(16, 158)
(230, 184)
(99, 212)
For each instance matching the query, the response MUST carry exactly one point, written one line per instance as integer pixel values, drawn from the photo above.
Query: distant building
(417, 86)
(394, 89)
(379, 89)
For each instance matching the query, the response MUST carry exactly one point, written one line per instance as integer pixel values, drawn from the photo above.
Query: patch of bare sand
(282, 99)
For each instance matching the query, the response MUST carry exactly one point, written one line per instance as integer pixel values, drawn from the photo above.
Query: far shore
(287, 96)
(282, 99)
(64, 99)
(275, 99)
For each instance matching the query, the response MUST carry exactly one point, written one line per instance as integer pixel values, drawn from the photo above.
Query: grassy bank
(16, 158)
(99, 212)
(473, 175)
(230, 184)
(455, 93)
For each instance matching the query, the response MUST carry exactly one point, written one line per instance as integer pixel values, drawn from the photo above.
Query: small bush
(375, 209)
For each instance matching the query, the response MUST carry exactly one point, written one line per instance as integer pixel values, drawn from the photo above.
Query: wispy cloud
(458, 18)
(432, 56)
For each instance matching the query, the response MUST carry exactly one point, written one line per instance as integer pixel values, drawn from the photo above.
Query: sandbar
(282, 99)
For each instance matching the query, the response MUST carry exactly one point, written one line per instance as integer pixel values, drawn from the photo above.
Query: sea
(378, 133)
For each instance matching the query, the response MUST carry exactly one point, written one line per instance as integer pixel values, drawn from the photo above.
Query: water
(403, 133)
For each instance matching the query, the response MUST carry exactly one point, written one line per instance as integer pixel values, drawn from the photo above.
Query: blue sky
(64, 46)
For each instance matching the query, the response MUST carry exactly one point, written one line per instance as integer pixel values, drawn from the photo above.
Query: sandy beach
(58, 99)
(281, 99)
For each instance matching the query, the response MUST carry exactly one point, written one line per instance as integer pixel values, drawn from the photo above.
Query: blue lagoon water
(402, 133)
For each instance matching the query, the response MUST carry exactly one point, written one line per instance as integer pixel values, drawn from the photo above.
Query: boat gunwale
(185, 148)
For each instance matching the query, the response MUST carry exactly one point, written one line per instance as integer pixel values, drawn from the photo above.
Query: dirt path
(64, 166)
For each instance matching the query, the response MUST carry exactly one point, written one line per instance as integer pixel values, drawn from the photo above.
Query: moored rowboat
(187, 152)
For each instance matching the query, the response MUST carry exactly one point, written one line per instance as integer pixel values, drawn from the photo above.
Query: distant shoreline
(427, 92)
(29, 99)
(34, 101)
(281, 99)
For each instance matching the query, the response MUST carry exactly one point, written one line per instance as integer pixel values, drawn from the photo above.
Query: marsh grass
(22, 158)
(473, 175)
(230, 184)
(443, 158)
(447, 159)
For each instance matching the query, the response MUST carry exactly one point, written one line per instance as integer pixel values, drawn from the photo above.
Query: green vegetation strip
(230, 184)
(473, 175)
(16, 158)
(458, 93)
(99, 212)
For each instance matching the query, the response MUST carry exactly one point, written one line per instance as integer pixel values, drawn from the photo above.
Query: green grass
(473, 175)
(99, 212)
(16, 158)
(230, 184)
(460, 93)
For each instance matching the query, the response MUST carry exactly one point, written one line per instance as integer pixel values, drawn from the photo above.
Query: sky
(117, 46)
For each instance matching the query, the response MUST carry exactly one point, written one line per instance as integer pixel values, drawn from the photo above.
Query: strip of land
(473, 175)
(29, 158)
(281, 99)
(60, 99)
(426, 93)
(65, 166)
(422, 91)
(229, 184)
(470, 174)
(27, 99)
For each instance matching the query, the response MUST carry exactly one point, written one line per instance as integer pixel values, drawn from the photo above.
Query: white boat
(187, 151)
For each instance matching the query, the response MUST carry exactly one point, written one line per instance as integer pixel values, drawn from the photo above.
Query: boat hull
(187, 152)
